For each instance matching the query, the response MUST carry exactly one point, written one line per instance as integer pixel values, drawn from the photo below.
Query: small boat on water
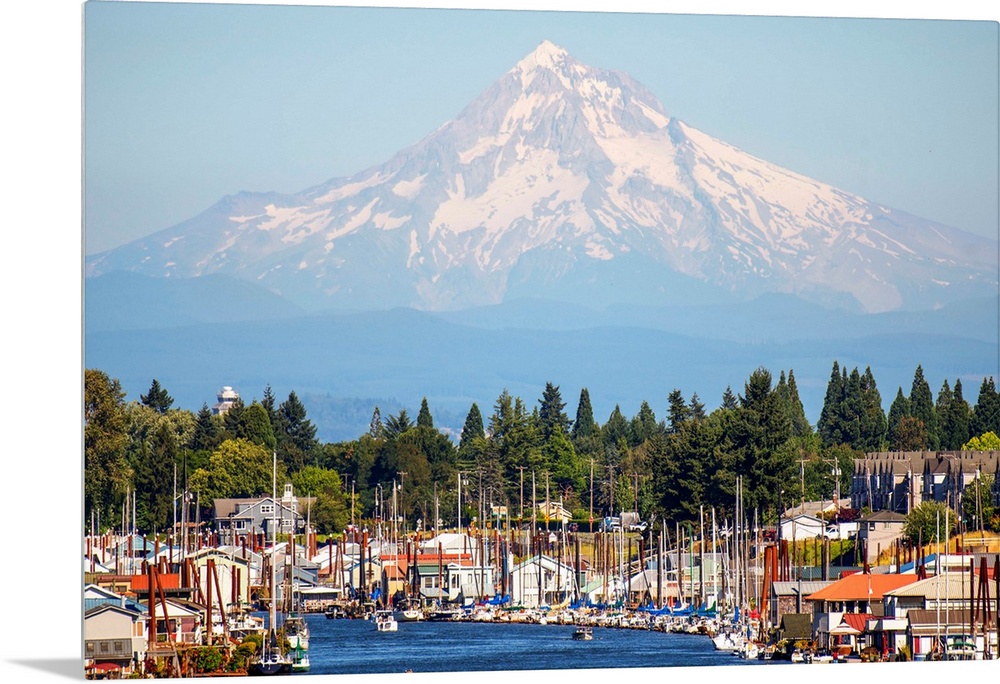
(727, 641)
(408, 611)
(385, 622)
(583, 633)
(300, 660)
(297, 632)
(271, 660)
(445, 614)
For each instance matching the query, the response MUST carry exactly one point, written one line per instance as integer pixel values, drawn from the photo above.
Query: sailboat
(296, 628)
(271, 660)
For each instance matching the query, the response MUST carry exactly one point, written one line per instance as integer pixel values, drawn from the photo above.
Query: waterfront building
(114, 638)
(858, 594)
(543, 581)
(454, 578)
(239, 521)
(792, 598)
(230, 573)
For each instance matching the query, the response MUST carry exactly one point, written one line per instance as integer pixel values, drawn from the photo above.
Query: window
(267, 509)
(241, 524)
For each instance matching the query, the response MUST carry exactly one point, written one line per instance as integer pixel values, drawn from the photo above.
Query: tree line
(666, 468)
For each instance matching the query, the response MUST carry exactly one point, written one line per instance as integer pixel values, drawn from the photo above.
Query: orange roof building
(856, 593)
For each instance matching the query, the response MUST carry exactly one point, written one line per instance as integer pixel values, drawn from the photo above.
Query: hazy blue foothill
(201, 335)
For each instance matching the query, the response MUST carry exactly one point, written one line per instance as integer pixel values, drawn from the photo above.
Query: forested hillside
(515, 451)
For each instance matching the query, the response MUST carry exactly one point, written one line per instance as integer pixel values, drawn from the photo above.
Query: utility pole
(591, 493)
(520, 511)
(402, 503)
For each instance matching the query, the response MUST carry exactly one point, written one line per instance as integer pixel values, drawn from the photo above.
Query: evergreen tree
(678, 413)
(375, 427)
(789, 392)
(256, 427)
(873, 422)
(424, 418)
(729, 401)
(986, 413)
(269, 403)
(154, 475)
(296, 434)
(696, 409)
(567, 472)
(232, 420)
(643, 425)
(584, 425)
(551, 416)
(830, 424)
(942, 407)
(851, 411)
(157, 398)
(922, 408)
(472, 442)
(615, 431)
(473, 428)
(955, 427)
(761, 432)
(207, 431)
(899, 410)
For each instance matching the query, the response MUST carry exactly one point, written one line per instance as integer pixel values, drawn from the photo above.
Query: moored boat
(385, 622)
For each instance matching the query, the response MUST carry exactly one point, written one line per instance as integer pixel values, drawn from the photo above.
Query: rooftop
(861, 587)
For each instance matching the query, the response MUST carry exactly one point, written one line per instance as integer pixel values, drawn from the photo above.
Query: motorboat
(583, 633)
(385, 622)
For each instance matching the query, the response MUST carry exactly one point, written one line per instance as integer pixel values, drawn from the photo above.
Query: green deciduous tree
(985, 442)
(978, 508)
(237, 468)
(107, 474)
(929, 522)
(330, 513)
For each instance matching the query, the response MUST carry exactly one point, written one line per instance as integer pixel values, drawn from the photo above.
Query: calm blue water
(355, 647)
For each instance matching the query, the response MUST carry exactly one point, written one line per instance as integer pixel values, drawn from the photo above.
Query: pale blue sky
(185, 103)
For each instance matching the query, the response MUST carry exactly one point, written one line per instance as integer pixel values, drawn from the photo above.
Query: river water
(355, 647)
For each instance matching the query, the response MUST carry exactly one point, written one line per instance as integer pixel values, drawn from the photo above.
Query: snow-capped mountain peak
(567, 181)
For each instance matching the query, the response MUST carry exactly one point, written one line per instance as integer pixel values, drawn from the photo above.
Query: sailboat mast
(274, 506)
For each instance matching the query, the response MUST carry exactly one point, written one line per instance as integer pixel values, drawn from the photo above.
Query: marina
(450, 646)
